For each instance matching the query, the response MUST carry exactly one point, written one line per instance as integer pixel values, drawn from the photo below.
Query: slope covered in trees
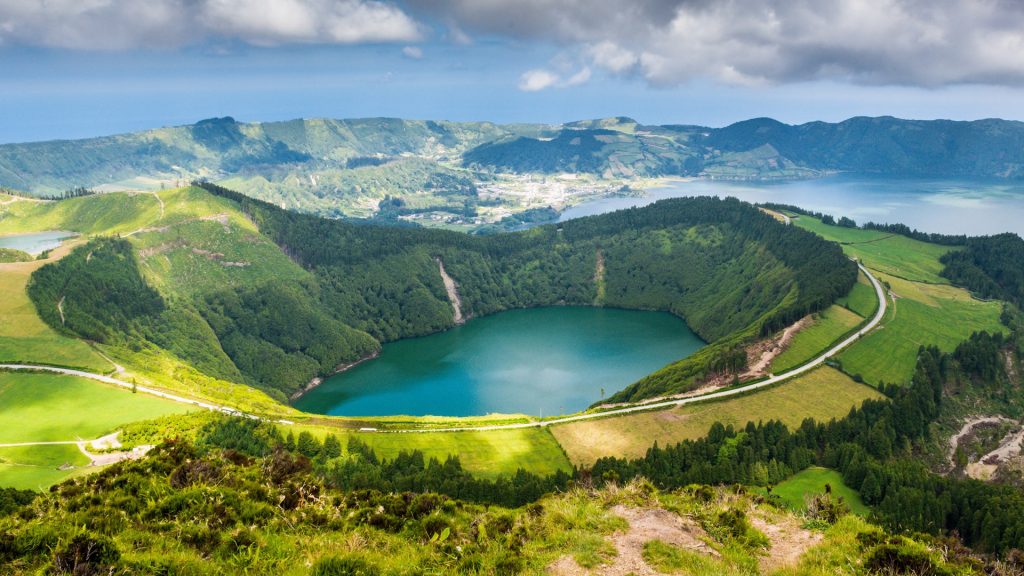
(990, 266)
(722, 265)
(217, 293)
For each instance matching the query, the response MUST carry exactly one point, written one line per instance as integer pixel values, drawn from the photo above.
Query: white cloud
(902, 42)
(413, 52)
(612, 57)
(540, 79)
(128, 24)
(581, 77)
(537, 80)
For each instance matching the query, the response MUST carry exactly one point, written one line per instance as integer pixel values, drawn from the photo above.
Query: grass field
(24, 337)
(861, 299)
(828, 326)
(813, 481)
(53, 407)
(823, 393)
(486, 454)
(892, 254)
(922, 314)
(37, 467)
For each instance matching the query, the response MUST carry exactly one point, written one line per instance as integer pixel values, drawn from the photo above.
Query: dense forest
(990, 266)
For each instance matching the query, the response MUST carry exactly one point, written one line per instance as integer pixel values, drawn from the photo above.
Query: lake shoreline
(338, 370)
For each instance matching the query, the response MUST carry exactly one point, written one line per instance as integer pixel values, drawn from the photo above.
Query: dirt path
(788, 540)
(161, 217)
(599, 278)
(453, 292)
(108, 442)
(645, 525)
(60, 310)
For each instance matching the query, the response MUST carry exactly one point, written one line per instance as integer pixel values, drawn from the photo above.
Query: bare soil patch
(645, 525)
(788, 540)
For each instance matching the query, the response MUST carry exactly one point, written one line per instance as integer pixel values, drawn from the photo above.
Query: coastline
(318, 380)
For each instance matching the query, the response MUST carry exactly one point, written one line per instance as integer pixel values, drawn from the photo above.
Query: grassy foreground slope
(224, 505)
(821, 394)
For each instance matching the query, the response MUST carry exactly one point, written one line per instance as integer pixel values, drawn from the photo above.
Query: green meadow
(794, 489)
(826, 328)
(52, 408)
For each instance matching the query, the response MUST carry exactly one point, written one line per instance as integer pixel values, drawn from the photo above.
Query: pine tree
(307, 445)
(332, 448)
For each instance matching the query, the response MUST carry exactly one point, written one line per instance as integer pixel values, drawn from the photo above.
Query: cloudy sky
(74, 68)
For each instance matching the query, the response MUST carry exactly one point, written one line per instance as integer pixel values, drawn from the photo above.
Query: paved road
(882, 305)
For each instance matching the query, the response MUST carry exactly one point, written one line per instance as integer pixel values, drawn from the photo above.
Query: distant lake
(36, 242)
(534, 361)
(973, 207)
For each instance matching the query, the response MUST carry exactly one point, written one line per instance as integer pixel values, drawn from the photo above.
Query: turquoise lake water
(533, 361)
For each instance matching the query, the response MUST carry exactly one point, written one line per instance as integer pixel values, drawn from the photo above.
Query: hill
(247, 292)
(393, 168)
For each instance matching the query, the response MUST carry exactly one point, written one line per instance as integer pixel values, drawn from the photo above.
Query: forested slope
(216, 292)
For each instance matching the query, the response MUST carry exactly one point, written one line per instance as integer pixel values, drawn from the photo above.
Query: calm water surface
(973, 207)
(539, 360)
(37, 242)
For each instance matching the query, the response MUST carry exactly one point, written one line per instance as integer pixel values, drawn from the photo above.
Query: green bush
(349, 565)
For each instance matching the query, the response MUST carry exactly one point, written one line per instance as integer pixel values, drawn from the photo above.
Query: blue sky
(78, 68)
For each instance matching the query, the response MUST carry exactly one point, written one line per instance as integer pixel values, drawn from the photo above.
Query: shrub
(349, 565)
(897, 558)
(825, 507)
(85, 555)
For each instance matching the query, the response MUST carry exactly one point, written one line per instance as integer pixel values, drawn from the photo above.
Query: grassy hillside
(204, 508)
(795, 489)
(821, 394)
(87, 409)
(826, 328)
(924, 309)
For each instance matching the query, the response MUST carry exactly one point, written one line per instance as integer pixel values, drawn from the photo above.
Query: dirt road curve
(818, 361)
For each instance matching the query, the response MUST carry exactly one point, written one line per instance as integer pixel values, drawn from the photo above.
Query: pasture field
(53, 407)
(24, 337)
(487, 454)
(894, 255)
(37, 467)
(813, 481)
(920, 315)
(36, 477)
(861, 299)
(822, 394)
(828, 326)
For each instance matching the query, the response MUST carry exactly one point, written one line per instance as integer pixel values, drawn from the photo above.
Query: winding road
(807, 367)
